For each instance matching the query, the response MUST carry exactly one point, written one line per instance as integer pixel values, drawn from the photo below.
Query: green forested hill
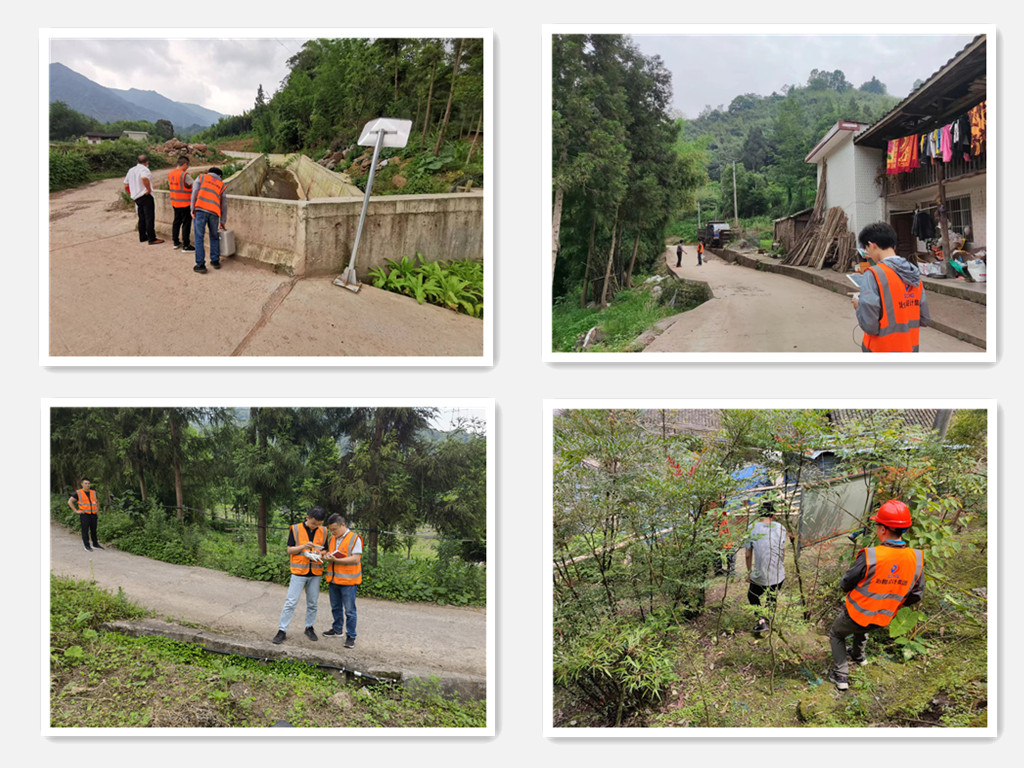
(768, 138)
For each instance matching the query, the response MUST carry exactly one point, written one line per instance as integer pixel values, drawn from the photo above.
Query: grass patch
(630, 313)
(118, 681)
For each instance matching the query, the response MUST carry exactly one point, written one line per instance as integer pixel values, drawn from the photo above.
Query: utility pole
(698, 218)
(735, 208)
(941, 423)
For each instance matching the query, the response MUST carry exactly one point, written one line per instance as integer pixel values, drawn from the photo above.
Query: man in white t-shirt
(765, 550)
(138, 183)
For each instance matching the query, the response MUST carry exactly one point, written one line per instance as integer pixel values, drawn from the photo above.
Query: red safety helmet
(893, 514)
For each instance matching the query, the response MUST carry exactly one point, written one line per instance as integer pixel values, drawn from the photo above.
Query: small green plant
(457, 285)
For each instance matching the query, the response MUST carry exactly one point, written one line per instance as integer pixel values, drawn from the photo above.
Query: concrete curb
(347, 665)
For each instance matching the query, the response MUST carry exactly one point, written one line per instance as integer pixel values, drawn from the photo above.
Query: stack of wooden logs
(825, 239)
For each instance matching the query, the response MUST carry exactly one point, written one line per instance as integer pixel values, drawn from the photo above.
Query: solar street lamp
(382, 132)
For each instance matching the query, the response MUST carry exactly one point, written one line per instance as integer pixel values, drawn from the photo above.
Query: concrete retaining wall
(248, 180)
(318, 182)
(316, 237)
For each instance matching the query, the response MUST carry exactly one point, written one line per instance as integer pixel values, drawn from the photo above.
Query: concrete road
(755, 311)
(112, 296)
(424, 638)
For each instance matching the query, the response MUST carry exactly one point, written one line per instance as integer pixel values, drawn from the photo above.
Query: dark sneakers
(311, 634)
(200, 268)
(96, 546)
(350, 642)
(215, 264)
(189, 249)
(331, 633)
(88, 548)
(841, 681)
(279, 637)
(761, 627)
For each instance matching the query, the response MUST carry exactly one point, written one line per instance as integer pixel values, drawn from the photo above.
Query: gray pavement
(399, 640)
(112, 296)
(760, 311)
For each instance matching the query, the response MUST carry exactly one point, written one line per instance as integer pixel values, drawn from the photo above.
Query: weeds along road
(756, 311)
(110, 295)
(417, 636)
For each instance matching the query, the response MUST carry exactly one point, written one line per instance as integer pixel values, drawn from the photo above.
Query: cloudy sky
(219, 74)
(714, 69)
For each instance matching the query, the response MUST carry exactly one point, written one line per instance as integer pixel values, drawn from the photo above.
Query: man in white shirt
(765, 551)
(139, 185)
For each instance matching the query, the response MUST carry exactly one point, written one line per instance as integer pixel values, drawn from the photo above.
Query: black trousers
(182, 223)
(770, 593)
(88, 523)
(146, 207)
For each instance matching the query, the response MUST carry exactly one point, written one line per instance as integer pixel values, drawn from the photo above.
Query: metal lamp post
(382, 132)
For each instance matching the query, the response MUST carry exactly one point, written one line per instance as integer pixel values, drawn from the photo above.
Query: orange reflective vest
(87, 502)
(900, 324)
(181, 196)
(300, 564)
(344, 574)
(208, 196)
(891, 573)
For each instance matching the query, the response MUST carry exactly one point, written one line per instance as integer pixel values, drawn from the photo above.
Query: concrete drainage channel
(313, 233)
(348, 668)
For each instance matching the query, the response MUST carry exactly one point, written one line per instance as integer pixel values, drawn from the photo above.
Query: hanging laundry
(906, 154)
(947, 143)
(962, 137)
(890, 158)
(978, 119)
(923, 225)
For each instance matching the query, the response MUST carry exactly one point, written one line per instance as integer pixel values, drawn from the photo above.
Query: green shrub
(621, 668)
(67, 170)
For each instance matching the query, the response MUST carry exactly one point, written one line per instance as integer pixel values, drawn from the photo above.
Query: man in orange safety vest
(881, 581)
(85, 502)
(891, 306)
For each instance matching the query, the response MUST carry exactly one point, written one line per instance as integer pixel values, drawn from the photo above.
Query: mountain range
(111, 104)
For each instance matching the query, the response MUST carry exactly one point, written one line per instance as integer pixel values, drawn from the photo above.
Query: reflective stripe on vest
(181, 196)
(87, 502)
(208, 196)
(886, 584)
(899, 325)
(344, 574)
(300, 564)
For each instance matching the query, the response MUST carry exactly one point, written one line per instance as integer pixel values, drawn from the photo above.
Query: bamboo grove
(387, 469)
(616, 176)
(334, 86)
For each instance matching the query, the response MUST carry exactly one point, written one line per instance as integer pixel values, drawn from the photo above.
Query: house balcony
(928, 174)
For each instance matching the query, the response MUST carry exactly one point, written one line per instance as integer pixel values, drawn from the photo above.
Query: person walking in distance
(679, 253)
(180, 184)
(85, 502)
(344, 575)
(700, 253)
(138, 183)
(881, 581)
(306, 542)
(891, 306)
(209, 210)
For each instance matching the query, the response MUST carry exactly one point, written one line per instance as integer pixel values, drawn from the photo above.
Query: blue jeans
(203, 220)
(299, 584)
(343, 608)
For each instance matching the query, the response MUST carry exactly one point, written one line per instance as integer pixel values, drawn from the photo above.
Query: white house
(855, 153)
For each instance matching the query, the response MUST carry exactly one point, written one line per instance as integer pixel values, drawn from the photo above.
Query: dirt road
(111, 295)
(427, 638)
(754, 311)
